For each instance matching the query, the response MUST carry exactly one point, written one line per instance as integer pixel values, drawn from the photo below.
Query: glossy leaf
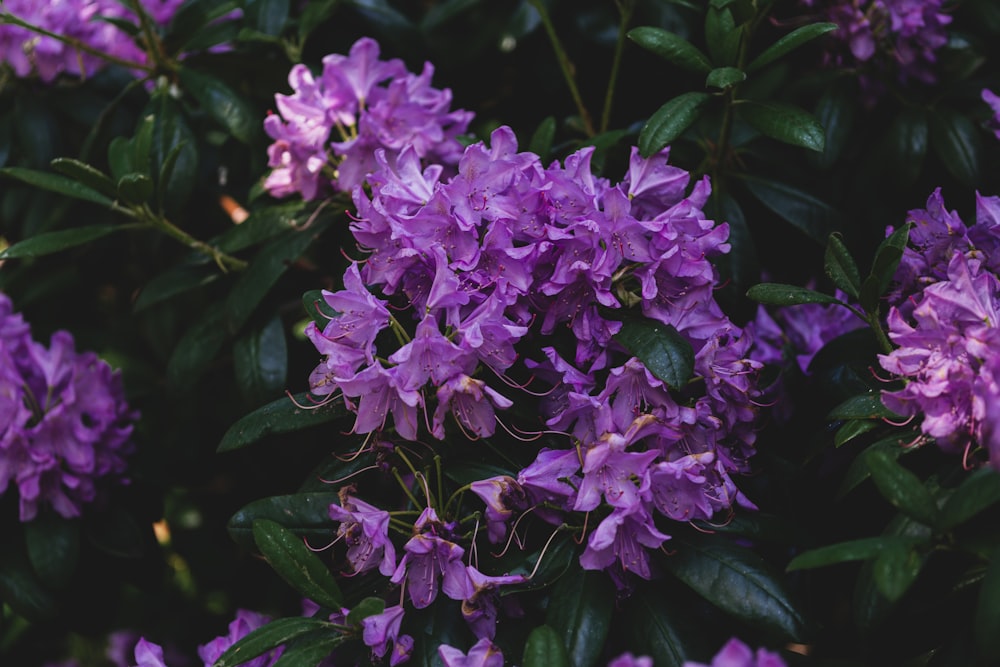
(778, 294)
(57, 183)
(895, 569)
(276, 633)
(907, 141)
(863, 406)
(176, 280)
(673, 48)
(91, 176)
(862, 549)
(955, 140)
(725, 77)
(309, 649)
(314, 14)
(987, 614)
(840, 266)
(659, 628)
(544, 648)
(135, 188)
(789, 43)
(283, 415)
(296, 563)
(197, 349)
(670, 121)
(222, 103)
(316, 307)
(901, 487)
(740, 265)
(721, 35)
(887, 257)
(853, 429)
(120, 157)
(174, 153)
(785, 122)
(20, 587)
(268, 16)
(261, 361)
(305, 514)
(738, 581)
(580, 612)
(836, 111)
(50, 242)
(661, 349)
(541, 140)
(858, 471)
(364, 609)
(813, 217)
(979, 491)
(53, 548)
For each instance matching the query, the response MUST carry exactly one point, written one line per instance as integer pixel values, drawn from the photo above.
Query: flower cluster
(148, 654)
(896, 38)
(947, 328)
(737, 654)
(330, 127)
(64, 422)
(89, 22)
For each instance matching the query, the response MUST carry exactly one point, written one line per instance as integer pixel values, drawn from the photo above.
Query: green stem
(153, 46)
(7, 17)
(875, 322)
(625, 9)
(224, 261)
(406, 489)
(565, 65)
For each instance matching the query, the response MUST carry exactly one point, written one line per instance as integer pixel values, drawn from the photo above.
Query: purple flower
(244, 623)
(429, 558)
(621, 539)
(65, 422)
(503, 496)
(381, 630)
(993, 124)
(482, 654)
(148, 654)
(629, 660)
(366, 530)
(737, 654)
(479, 595)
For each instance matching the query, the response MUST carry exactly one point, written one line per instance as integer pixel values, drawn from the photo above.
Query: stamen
(356, 472)
(544, 549)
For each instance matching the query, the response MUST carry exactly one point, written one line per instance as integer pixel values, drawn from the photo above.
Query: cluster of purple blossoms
(87, 21)
(945, 323)
(64, 422)
(896, 38)
(148, 654)
(331, 126)
(737, 654)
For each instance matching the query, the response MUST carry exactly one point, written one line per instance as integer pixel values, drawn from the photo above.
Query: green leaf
(142, 144)
(859, 471)
(836, 111)
(661, 349)
(887, 257)
(784, 122)
(305, 514)
(544, 648)
(580, 613)
(738, 581)
(541, 140)
(192, 16)
(871, 606)
(670, 121)
(863, 549)
(260, 361)
(310, 649)
(658, 627)
(316, 307)
(135, 188)
(267, 16)
(120, 157)
(222, 103)
(87, 174)
(901, 487)
(277, 632)
(178, 279)
(263, 273)
(197, 349)
(315, 14)
(895, 569)
(987, 616)
(813, 217)
(722, 35)
(907, 141)
(671, 47)
(840, 266)
(364, 609)
(852, 430)
(863, 406)
(976, 493)
(789, 43)
(294, 562)
(779, 294)
(20, 587)
(116, 532)
(283, 415)
(956, 140)
(50, 242)
(53, 548)
(740, 266)
(725, 77)
(57, 183)
(174, 153)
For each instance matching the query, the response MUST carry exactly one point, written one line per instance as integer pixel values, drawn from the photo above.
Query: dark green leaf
(544, 648)
(194, 15)
(725, 77)
(843, 552)
(90, 176)
(314, 14)
(907, 145)
(956, 140)
(174, 152)
(840, 266)
(135, 188)
(298, 565)
(887, 257)
(53, 548)
(858, 471)
(895, 569)
(659, 628)
(284, 415)
(142, 145)
(46, 244)
(661, 349)
(176, 280)
(120, 157)
(277, 632)
(385, 17)
(722, 35)
(264, 271)
(267, 16)
(977, 492)
(901, 487)
(670, 121)
(265, 224)
(814, 218)
(555, 563)
(115, 532)
(197, 349)
(541, 140)
(778, 294)
(836, 111)
(738, 581)
(442, 12)
(987, 618)
(785, 122)
(852, 429)
(364, 609)
(863, 406)
(305, 514)
(260, 361)
(20, 587)
(57, 183)
(222, 103)
(740, 266)
(316, 307)
(580, 613)
(672, 48)
(790, 42)
(309, 649)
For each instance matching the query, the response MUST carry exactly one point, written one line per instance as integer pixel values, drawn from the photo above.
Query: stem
(565, 65)
(7, 17)
(874, 321)
(406, 489)
(153, 46)
(224, 261)
(625, 9)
